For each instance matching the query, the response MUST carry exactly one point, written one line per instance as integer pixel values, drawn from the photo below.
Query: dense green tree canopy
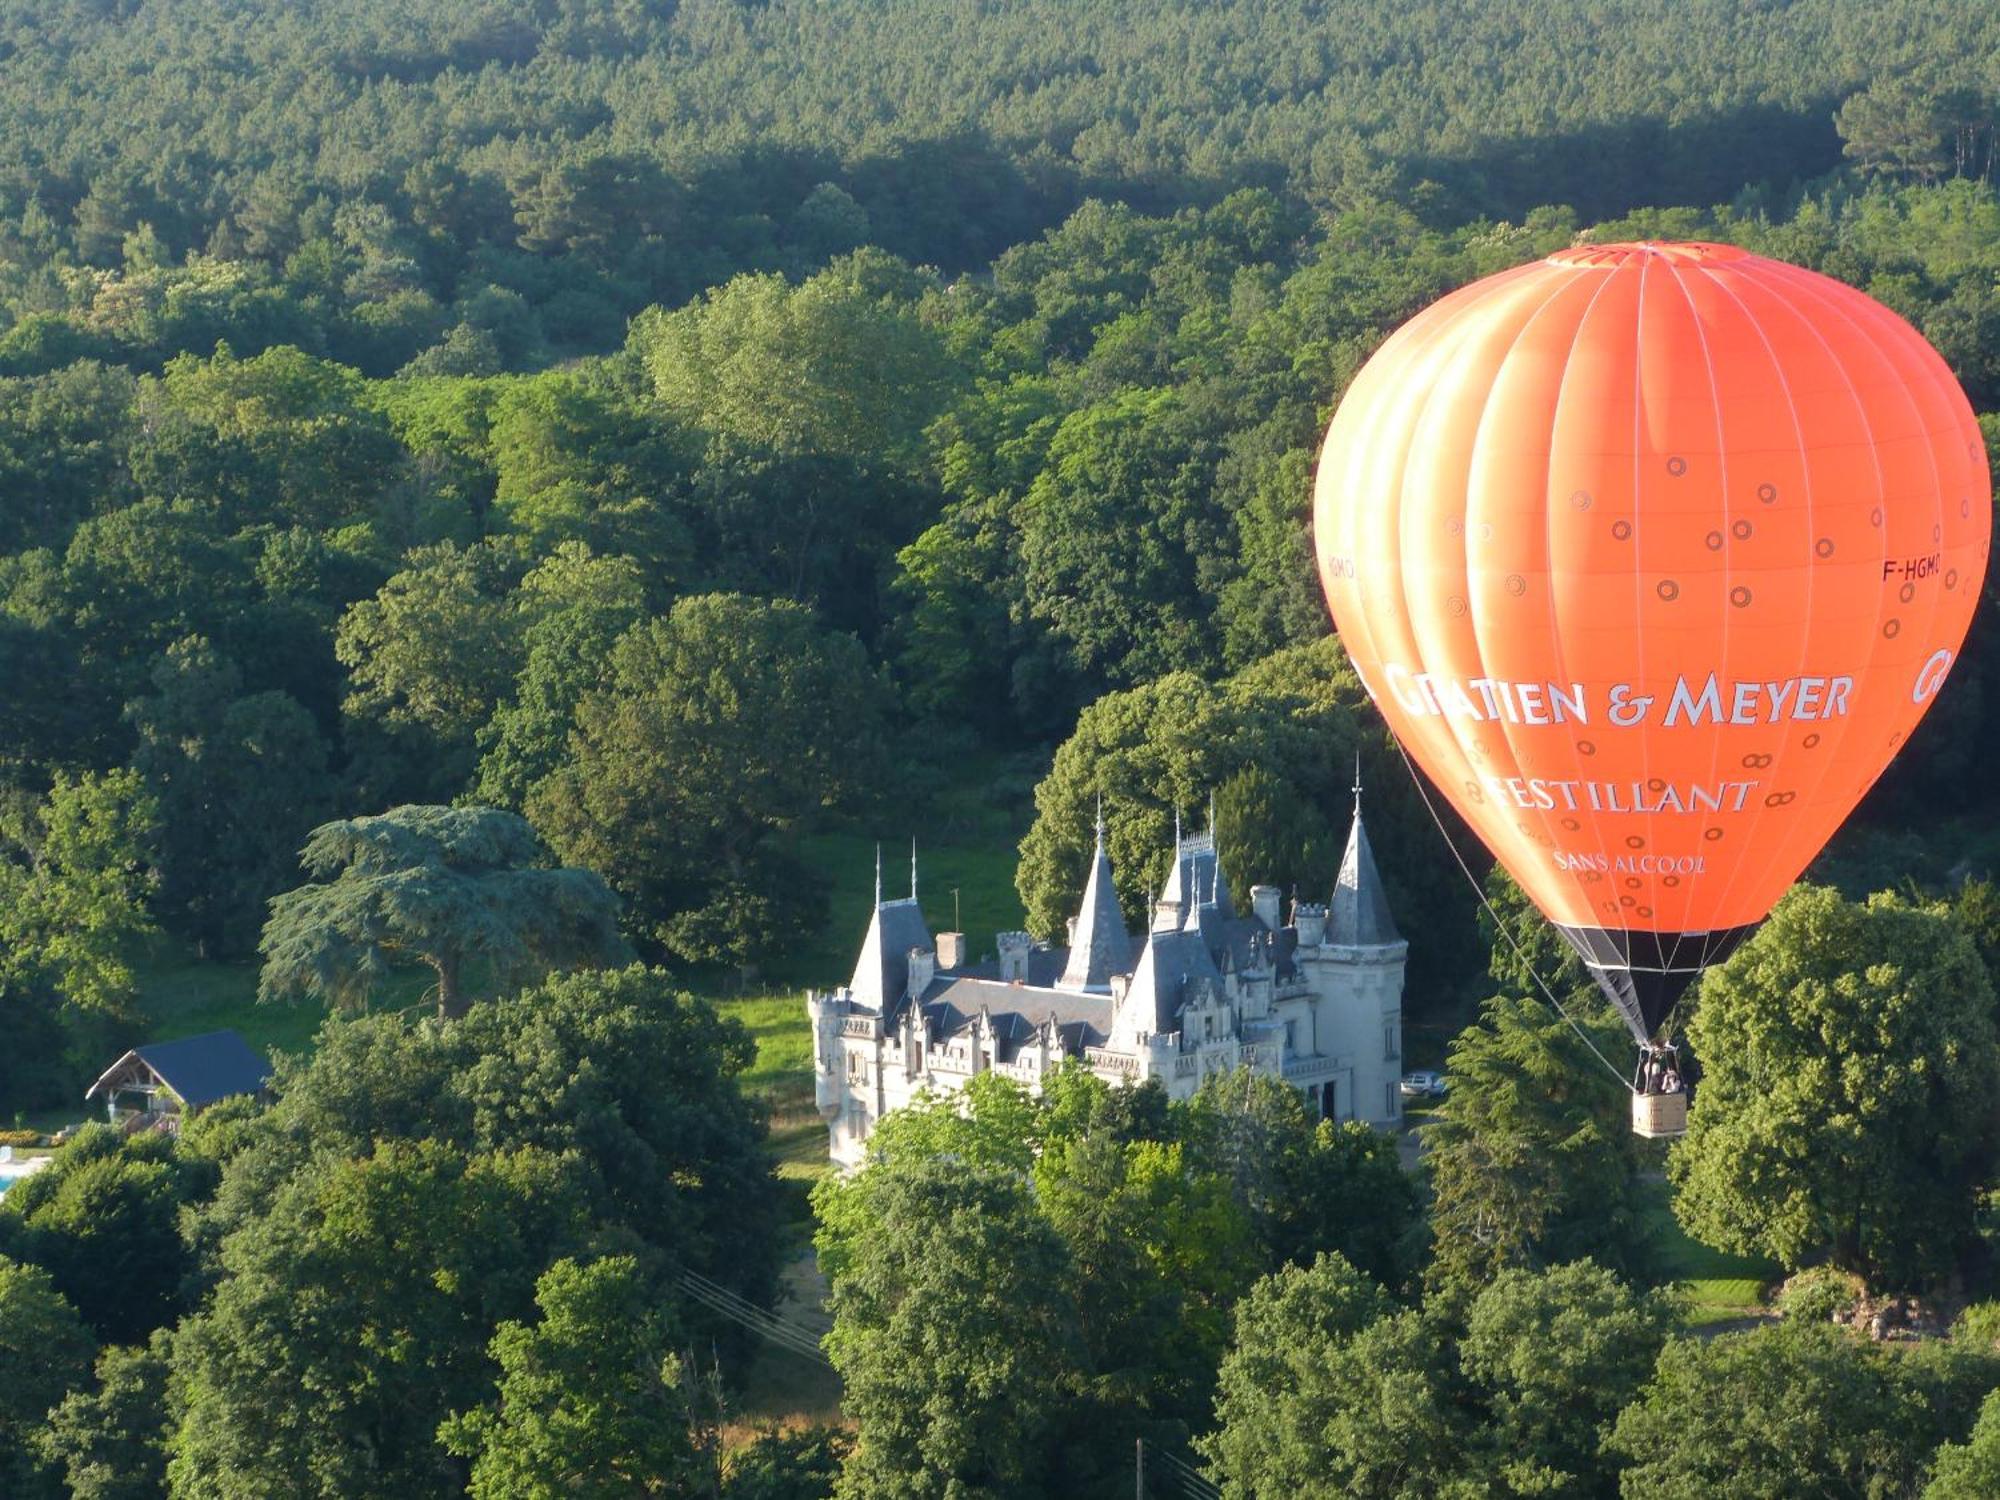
(110, 1443)
(1844, 1104)
(103, 1218)
(398, 1203)
(591, 1401)
(1327, 1386)
(955, 1335)
(1793, 1411)
(75, 877)
(239, 779)
(44, 1352)
(1555, 1356)
(722, 730)
(1531, 1157)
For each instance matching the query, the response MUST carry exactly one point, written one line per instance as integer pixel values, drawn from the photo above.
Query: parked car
(1423, 1084)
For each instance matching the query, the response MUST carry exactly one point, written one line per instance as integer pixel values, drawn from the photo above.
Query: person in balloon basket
(1657, 1073)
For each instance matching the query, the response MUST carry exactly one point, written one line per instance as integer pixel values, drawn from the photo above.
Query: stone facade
(1317, 1002)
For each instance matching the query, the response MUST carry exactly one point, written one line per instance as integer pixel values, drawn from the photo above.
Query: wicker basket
(1659, 1116)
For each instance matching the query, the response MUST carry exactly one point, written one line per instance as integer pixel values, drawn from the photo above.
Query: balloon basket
(1660, 1116)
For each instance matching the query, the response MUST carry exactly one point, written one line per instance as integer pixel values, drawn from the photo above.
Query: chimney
(951, 950)
(1264, 901)
(923, 964)
(1014, 947)
(1310, 919)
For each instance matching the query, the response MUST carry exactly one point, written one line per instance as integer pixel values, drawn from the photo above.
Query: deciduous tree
(955, 1334)
(592, 1399)
(1844, 1110)
(1327, 1388)
(44, 1354)
(726, 729)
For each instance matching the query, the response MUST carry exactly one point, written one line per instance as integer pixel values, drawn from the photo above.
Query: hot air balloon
(1651, 555)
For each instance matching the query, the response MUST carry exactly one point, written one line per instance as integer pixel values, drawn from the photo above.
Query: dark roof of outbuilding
(200, 1069)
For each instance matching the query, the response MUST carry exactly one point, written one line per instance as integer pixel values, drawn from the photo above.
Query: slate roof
(1359, 916)
(1018, 1011)
(1159, 981)
(200, 1069)
(882, 973)
(1099, 947)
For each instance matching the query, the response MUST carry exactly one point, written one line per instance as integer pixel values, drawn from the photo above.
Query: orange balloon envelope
(1652, 555)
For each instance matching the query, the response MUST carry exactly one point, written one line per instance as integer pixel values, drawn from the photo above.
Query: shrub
(1818, 1294)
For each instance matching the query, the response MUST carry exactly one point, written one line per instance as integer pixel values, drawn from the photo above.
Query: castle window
(1392, 1042)
(1391, 1094)
(1291, 1038)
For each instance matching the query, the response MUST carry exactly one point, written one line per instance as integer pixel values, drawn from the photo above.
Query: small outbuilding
(152, 1087)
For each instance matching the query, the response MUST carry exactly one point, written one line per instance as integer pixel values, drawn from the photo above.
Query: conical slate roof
(882, 972)
(1359, 916)
(1098, 945)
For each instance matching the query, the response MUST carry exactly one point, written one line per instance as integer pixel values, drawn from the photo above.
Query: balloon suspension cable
(1500, 925)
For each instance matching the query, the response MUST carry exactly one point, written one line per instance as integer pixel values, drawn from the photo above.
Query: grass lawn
(967, 840)
(966, 833)
(1717, 1286)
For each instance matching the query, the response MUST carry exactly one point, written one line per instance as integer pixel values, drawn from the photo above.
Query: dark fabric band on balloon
(1643, 973)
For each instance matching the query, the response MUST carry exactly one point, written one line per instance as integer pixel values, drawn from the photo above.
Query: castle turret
(1360, 915)
(1099, 947)
(882, 972)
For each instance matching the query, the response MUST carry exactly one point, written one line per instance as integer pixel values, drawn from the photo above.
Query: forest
(487, 490)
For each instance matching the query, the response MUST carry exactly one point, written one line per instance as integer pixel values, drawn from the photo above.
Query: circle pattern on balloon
(1642, 674)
